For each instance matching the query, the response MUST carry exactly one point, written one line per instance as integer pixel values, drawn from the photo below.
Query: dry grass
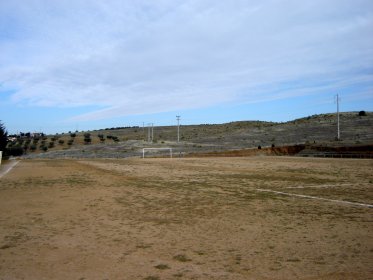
(187, 219)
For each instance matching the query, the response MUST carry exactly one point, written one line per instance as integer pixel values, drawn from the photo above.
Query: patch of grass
(6, 246)
(293, 260)
(152, 278)
(143, 246)
(182, 258)
(200, 253)
(162, 266)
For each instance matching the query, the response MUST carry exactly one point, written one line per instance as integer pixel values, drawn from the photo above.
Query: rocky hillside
(312, 130)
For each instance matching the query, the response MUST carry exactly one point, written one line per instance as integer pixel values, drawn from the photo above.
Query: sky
(82, 65)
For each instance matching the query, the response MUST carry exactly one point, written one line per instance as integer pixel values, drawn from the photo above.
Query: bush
(15, 151)
(259, 147)
(362, 113)
(61, 142)
(87, 140)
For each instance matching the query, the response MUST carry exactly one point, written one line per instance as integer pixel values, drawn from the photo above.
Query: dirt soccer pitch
(195, 218)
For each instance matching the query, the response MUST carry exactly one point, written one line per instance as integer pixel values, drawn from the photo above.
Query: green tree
(3, 137)
(87, 138)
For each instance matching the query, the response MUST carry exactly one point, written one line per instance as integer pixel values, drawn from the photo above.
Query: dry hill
(314, 131)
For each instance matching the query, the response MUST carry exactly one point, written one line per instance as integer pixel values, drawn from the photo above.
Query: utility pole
(178, 128)
(149, 132)
(152, 132)
(337, 99)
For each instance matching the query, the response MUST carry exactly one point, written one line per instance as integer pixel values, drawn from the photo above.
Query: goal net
(157, 151)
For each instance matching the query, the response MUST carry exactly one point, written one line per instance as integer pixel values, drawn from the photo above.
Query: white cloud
(138, 57)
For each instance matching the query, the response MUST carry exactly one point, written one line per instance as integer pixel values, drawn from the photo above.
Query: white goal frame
(149, 149)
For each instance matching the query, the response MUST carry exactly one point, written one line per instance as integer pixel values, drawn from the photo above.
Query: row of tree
(25, 142)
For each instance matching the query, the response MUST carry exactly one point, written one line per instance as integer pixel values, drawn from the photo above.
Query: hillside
(313, 130)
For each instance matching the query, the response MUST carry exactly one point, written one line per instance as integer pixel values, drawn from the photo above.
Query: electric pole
(337, 99)
(178, 128)
(149, 132)
(152, 132)
(143, 130)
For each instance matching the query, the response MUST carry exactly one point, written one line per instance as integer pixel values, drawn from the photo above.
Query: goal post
(155, 149)
(1, 156)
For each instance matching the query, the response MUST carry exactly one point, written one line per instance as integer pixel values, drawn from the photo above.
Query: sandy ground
(187, 219)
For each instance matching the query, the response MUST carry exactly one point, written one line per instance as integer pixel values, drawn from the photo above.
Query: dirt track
(186, 219)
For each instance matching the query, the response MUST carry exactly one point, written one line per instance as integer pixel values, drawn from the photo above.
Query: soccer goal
(156, 149)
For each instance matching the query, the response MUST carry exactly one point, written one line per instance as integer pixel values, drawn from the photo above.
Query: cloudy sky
(75, 64)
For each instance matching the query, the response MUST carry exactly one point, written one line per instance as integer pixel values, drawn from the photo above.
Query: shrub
(51, 145)
(72, 135)
(259, 147)
(87, 140)
(25, 147)
(362, 113)
(15, 151)
(61, 142)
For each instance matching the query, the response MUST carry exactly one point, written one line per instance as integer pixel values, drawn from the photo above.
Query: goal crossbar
(150, 149)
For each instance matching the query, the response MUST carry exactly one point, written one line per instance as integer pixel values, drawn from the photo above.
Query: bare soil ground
(191, 218)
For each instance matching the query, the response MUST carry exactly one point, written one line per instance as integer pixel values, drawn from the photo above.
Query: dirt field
(207, 218)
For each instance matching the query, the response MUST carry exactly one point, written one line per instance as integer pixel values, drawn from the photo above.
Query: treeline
(121, 127)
